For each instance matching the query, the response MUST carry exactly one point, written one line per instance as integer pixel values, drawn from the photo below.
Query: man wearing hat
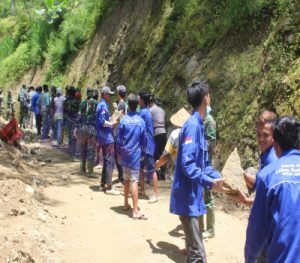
(171, 148)
(121, 107)
(105, 140)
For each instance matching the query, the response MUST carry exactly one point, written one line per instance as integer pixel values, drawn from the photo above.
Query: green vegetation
(47, 30)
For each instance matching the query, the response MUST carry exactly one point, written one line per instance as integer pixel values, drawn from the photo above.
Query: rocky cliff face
(251, 60)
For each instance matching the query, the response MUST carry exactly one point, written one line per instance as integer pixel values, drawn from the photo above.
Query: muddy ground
(52, 213)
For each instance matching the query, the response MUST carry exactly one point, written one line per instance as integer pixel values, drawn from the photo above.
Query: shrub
(14, 66)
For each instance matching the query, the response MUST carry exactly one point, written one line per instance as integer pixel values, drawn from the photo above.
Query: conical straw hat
(180, 117)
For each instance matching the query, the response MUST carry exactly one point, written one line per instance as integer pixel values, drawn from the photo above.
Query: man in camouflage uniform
(87, 132)
(51, 112)
(211, 136)
(1, 102)
(71, 108)
(23, 100)
(10, 106)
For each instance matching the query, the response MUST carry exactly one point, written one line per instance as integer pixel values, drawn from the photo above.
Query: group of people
(135, 139)
(273, 232)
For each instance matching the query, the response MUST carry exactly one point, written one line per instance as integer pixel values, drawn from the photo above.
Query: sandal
(140, 217)
(126, 208)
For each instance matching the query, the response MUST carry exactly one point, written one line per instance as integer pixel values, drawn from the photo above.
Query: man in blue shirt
(36, 109)
(264, 137)
(148, 162)
(275, 216)
(105, 140)
(131, 142)
(43, 103)
(193, 172)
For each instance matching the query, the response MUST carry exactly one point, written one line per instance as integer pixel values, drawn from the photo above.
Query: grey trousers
(193, 240)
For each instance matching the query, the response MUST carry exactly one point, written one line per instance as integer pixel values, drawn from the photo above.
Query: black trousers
(39, 120)
(119, 166)
(160, 143)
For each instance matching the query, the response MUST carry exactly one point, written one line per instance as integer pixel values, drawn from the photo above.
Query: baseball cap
(121, 88)
(106, 90)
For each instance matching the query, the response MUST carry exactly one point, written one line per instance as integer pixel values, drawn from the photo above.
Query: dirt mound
(26, 226)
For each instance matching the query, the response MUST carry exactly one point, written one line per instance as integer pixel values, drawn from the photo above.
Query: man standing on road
(44, 103)
(86, 123)
(193, 172)
(211, 137)
(122, 108)
(31, 118)
(148, 163)
(160, 134)
(274, 221)
(1, 102)
(171, 148)
(36, 109)
(71, 109)
(59, 114)
(105, 139)
(131, 141)
(23, 100)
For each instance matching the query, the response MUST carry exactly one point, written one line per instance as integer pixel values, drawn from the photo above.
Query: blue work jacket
(131, 140)
(147, 117)
(266, 158)
(274, 222)
(193, 170)
(34, 103)
(104, 134)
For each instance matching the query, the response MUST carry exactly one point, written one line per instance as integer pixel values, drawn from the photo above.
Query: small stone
(15, 212)
(29, 189)
(42, 216)
(64, 177)
(33, 151)
(42, 164)
(15, 163)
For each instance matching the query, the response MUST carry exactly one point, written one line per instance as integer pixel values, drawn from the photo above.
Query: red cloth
(11, 132)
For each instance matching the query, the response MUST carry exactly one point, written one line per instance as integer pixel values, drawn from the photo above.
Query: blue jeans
(46, 126)
(59, 124)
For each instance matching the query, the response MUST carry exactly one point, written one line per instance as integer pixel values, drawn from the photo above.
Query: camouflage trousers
(71, 125)
(87, 138)
(23, 115)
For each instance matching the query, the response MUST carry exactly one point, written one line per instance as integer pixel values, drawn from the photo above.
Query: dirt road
(94, 228)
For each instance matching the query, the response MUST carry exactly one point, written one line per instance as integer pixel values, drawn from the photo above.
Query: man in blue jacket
(274, 221)
(148, 162)
(105, 140)
(36, 109)
(193, 172)
(264, 136)
(131, 142)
